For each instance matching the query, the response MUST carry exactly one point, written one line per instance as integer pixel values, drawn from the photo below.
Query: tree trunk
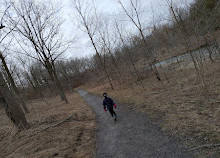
(137, 74)
(120, 76)
(19, 78)
(12, 109)
(60, 88)
(209, 50)
(13, 84)
(156, 72)
(130, 58)
(106, 72)
(52, 72)
(216, 45)
(36, 88)
(185, 34)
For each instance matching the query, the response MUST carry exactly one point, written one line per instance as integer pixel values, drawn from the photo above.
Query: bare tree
(129, 53)
(108, 41)
(31, 76)
(40, 27)
(203, 22)
(135, 18)
(178, 19)
(12, 82)
(8, 100)
(13, 110)
(88, 23)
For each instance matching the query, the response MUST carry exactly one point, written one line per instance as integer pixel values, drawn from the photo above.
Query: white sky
(82, 47)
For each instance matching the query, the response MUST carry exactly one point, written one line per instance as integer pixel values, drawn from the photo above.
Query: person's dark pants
(112, 112)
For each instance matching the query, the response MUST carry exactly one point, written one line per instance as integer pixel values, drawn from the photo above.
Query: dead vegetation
(185, 101)
(51, 134)
(180, 104)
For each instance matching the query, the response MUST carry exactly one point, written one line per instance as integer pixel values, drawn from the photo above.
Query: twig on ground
(57, 124)
(204, 146)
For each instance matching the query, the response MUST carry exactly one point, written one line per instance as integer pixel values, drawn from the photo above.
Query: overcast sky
(82, 46)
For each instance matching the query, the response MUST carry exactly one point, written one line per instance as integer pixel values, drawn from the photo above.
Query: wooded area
(32, 48)
(120, 58)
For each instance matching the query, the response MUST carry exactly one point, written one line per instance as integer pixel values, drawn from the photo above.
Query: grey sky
(82, 46)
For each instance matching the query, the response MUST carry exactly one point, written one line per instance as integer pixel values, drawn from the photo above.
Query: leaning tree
(7, 98)
(41, 38)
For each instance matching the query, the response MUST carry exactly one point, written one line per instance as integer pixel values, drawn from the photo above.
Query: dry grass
(182, 105)
(74, 138)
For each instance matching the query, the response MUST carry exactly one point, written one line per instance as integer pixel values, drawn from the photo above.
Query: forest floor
(180, 104)
(73, 138)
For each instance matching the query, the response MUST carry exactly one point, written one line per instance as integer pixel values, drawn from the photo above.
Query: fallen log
(57, 124)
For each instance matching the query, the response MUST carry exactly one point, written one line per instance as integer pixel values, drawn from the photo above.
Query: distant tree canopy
(210, 4)
(205, 11)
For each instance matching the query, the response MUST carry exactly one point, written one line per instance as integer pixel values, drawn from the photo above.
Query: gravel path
(132, 136)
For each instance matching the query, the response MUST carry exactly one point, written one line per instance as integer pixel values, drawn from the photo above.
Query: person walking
(109, 104)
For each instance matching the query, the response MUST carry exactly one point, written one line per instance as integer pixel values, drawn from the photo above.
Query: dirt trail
(132, 136)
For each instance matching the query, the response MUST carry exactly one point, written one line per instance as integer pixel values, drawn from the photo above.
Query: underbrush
(181, 104)
(48, 137)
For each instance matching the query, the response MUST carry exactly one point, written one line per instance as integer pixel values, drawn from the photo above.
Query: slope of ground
(73, 138)
(132, 135)
(180, 104)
